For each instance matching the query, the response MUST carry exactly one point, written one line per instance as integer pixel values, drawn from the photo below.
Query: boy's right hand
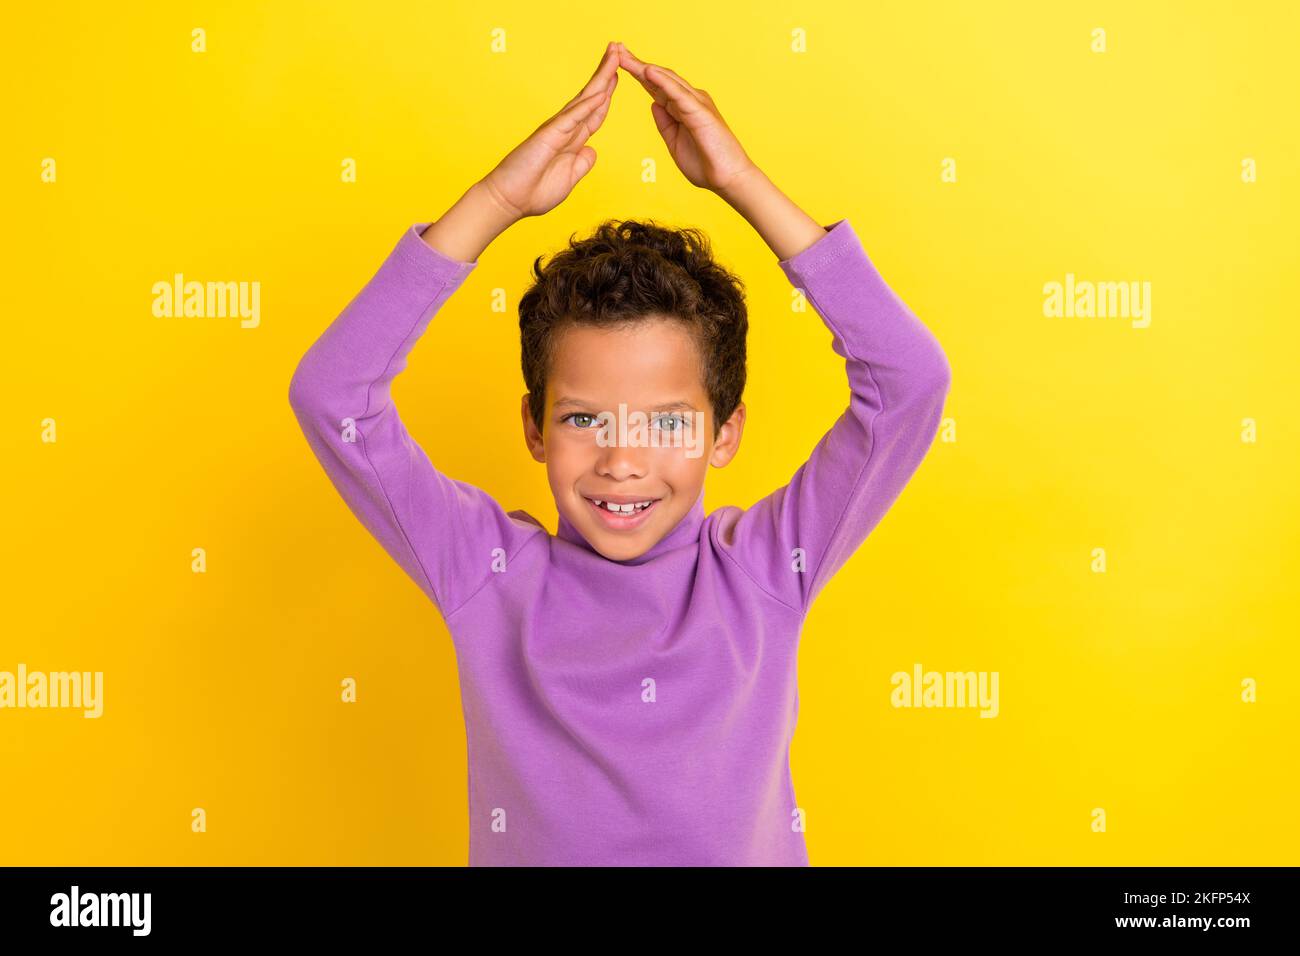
(540, 172)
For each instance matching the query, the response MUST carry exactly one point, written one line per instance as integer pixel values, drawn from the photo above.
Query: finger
(636, 66)
(628, 61)
(561, 121)
(663, 122)
(582, 165)
(659, 81)
(587, 125)
(672, 94)
(568, 119)
(607, 68)
(676, 76)
(669, 129)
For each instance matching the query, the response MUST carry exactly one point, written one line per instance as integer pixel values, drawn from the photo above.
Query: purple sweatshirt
(634, 712)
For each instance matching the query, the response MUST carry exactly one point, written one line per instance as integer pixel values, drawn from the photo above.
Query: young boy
(628, 683)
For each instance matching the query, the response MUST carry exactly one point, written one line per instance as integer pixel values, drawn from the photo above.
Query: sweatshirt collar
(686, 532)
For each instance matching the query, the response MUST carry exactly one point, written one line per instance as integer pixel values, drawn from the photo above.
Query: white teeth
(622, 509)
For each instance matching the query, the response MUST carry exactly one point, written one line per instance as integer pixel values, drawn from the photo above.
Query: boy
(628, 683)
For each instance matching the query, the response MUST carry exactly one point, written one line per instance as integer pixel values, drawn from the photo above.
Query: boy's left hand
(698, 139)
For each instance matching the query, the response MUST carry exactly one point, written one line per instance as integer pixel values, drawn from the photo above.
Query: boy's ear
(532, 437)
(728, 441)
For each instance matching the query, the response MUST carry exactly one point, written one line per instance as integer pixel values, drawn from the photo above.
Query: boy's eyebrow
(673, 406)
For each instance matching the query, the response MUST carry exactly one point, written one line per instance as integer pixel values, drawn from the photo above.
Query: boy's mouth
(622, 515)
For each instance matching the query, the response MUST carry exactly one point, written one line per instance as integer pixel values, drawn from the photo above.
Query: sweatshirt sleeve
(898, 380)
(442, 532)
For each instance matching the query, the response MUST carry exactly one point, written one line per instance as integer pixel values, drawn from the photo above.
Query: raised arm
(898, 379)
(444, 533)
(795, 539)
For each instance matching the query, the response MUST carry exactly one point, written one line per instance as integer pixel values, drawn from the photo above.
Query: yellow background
(1118, 690)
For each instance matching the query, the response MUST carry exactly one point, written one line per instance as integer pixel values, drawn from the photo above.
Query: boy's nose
(622, 461)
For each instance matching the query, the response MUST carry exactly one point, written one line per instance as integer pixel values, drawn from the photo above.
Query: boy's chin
(623, 549)
(624, 554)
(619, 545)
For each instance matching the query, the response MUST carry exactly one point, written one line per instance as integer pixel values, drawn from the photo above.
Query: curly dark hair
(624, 271)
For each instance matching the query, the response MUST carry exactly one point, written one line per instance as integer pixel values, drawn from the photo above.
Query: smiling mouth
(623, 516)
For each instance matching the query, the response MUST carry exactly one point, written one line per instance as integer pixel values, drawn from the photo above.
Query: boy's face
(653, 369)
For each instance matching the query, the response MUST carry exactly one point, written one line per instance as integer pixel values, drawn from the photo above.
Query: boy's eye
(580, 415)
(679, 419)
